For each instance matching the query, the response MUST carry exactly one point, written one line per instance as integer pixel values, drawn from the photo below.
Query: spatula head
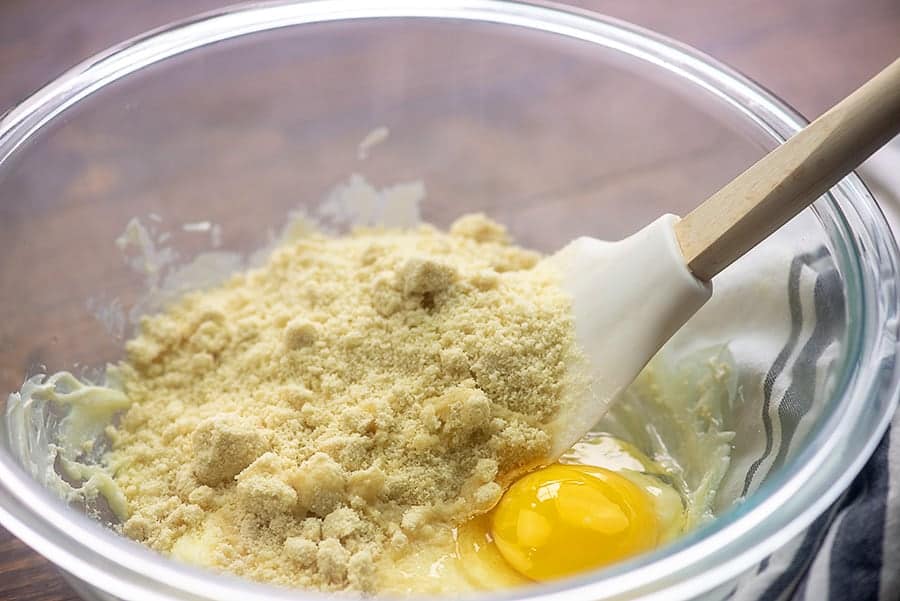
(628, 299)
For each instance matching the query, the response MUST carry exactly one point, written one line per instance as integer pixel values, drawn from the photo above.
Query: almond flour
(309, 420)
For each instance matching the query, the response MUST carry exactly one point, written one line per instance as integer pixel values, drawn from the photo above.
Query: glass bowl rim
(858, 231)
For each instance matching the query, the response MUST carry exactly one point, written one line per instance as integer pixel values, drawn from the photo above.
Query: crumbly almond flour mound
(314, 416)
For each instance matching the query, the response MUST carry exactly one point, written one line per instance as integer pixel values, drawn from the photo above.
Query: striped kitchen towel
(852, 551)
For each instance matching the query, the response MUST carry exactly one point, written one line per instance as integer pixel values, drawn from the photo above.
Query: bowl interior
(212, 149)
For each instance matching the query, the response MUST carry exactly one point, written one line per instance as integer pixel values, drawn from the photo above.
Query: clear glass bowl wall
(556, 124)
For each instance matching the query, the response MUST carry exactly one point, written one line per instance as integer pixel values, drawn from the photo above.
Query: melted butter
(198, 546)
(427, 567)
(96, 481)
(90, 409)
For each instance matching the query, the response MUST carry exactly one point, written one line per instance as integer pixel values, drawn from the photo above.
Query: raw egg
(566, 519)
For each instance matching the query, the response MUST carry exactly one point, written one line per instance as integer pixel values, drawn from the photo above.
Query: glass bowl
(556, 122)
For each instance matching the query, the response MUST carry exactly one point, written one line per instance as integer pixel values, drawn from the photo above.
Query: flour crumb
(301, 550)
(332, 559)
(479, 228)
(423, 276)
(300, 332)
(222, 446)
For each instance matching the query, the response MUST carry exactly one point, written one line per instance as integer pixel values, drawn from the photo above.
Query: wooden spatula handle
(768, 194)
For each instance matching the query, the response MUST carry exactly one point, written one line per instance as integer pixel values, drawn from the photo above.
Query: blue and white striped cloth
(852, 551)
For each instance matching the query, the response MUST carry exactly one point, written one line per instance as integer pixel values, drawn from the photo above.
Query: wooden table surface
(809, 52)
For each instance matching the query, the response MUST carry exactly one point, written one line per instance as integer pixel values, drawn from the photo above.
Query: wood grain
(810, 52)
(26, 576)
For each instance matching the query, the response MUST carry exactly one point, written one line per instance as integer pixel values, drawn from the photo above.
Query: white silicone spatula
(630, 297)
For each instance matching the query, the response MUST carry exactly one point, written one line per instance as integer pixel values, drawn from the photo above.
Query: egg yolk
(566, 519)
